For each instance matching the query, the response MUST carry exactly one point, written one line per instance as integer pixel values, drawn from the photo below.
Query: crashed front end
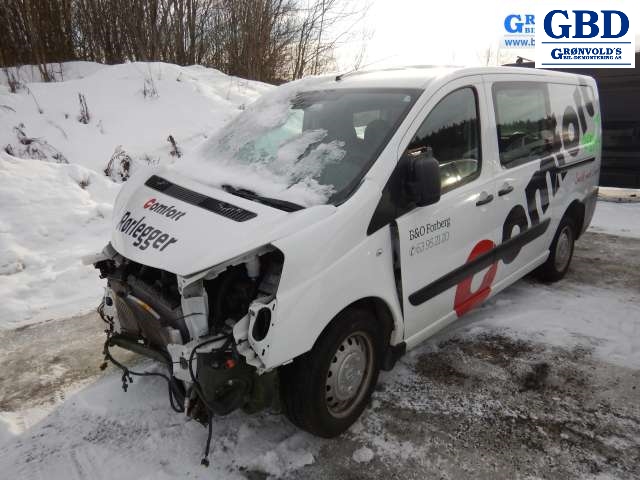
(204, 328)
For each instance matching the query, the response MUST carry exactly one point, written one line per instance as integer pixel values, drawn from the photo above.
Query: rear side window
(452, 130)
(524, 124)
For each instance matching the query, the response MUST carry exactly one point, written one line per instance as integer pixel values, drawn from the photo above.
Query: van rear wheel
(561, 252)
(326, 390)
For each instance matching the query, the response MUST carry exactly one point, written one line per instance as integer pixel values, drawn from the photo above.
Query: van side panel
(578, 107)
(548, 149)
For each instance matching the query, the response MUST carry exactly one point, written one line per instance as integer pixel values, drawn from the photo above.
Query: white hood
(172, 223)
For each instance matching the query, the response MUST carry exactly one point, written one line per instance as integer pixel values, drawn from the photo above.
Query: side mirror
(423, 178)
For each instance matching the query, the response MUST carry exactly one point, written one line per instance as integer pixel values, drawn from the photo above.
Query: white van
(340, 221)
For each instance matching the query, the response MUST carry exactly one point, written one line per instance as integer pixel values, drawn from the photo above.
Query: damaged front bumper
(212, 353)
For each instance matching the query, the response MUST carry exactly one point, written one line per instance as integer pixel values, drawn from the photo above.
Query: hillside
(55, 197)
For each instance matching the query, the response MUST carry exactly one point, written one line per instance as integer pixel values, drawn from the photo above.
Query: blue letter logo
(511, 26)
(564, 29)
(624, 24)
(581, 23)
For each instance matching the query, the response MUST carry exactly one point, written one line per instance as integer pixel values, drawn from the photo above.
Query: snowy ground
(55, 200)
(617, 219)
(541, 382)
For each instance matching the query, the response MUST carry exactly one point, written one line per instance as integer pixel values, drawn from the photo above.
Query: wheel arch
(383, 315)
(576, 211)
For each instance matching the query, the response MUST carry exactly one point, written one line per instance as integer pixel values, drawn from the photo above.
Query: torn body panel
(190, 323)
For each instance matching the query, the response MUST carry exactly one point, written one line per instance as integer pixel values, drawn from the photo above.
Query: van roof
(419, 76)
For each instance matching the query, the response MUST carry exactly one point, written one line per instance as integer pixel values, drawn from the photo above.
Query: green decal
(590, 141)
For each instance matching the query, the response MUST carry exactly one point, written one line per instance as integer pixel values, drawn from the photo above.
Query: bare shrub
(175, 151)
(12, 80)
(35, 100)
(149, 89)
(34, 148)
(84, 116)
(119, 167)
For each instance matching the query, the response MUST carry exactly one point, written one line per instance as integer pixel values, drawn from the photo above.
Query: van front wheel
(326, 390)
(561, 252)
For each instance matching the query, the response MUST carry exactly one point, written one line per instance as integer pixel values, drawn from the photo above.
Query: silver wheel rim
(563, 250)
(349, 374)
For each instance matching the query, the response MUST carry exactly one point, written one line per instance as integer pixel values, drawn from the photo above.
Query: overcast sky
(416, 32)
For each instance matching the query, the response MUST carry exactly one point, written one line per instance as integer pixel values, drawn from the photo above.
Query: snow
(617, 219)
(363, 455)
(565, 315)
(103, 431)
(189, 103)
(61, 71)
(55, 201)
(52, 214)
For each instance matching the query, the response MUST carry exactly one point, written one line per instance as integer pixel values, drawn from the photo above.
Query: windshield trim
(283, 205)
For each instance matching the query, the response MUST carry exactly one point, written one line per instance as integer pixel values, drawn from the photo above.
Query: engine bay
(200, 328)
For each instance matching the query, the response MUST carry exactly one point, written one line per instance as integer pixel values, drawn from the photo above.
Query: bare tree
(36, 32)
(268, 40)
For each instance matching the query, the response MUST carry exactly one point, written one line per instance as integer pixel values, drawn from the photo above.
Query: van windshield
(305, 147)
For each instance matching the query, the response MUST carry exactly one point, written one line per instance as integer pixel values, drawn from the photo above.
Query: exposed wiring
(105, 318)
(207, 446)
(212, 406)
(127, 373)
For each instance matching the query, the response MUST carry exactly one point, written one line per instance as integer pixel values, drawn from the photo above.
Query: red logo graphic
(465, 299)
(149, 203)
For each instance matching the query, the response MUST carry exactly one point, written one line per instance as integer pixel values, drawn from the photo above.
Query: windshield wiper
(272, 202)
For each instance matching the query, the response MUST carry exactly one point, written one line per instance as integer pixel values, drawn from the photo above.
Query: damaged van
(337, 223)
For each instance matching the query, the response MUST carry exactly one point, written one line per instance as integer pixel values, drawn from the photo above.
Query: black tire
(557, 265)
(306, 382)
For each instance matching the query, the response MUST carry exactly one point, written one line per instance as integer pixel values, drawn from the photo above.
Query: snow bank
(51, 215)
(617, 219)
(135, 106)
(55, 202)
(61, 72)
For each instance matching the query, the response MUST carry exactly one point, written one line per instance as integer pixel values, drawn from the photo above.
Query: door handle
(505, 190)
(484, 199)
